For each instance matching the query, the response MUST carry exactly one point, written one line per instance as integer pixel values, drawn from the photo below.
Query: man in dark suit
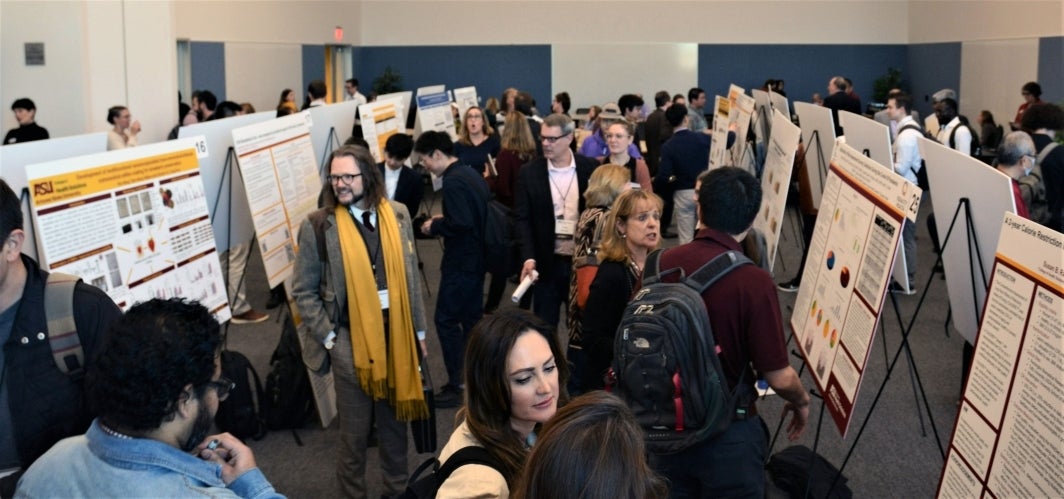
(657, 130)
(402, 184)
(840, 99)
(547, 204)
(460, 301)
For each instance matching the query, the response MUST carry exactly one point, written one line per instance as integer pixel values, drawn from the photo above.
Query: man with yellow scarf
(361, 305)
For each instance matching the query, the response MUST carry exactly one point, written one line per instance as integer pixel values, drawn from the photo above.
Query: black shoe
(790, 286)
(899, 289)
(669, 235)
(449, 397)
(277, 297)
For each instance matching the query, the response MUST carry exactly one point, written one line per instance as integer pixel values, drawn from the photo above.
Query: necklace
(114, 433)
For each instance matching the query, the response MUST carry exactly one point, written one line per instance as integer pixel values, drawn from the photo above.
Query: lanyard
(562, 194)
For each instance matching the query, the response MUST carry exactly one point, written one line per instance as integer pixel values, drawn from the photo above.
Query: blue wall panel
(208, 67)
(804, 68)
(490, 68)
(313, 69)
(933, 66)
(1051, 68)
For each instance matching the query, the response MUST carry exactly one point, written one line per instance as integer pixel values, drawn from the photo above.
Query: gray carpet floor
(896, 456)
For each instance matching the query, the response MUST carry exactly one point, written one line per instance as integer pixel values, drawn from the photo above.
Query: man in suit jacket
(547, 205)
(460, 301)
(838, 99)
(402, 185)
(657, 130)
(345, 310)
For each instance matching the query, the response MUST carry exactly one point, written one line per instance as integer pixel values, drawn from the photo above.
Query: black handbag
(424, 430)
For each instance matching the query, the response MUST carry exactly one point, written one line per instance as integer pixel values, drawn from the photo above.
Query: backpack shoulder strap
(910, 126)
(62, 330)
(716, 268)
(652, 268)
(1045, 152)
(472, 454)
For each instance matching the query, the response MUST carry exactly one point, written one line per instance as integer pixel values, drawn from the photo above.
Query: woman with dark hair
(515, 374)
(561, 103)
(989, 134)
(125, 130)
(591, 124)
(288, 96)
(592, 449)
(1032, 94)
(606, 183)
(630, 233)
(477, 143)
(619, 138)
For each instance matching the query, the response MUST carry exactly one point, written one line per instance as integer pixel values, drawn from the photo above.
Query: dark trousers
(459, 305)
(552, 290)
(730, 465)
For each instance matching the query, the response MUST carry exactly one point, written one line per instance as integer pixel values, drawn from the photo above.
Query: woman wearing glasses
(619, 138)
(477, 143)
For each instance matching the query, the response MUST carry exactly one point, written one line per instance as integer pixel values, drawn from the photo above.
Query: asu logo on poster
(43, 188)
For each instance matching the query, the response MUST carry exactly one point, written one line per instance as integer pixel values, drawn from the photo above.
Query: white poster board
(281, 179)
(226, 199)
(779, 103)
(330, 125)
(818, 135)
(132, 222)
(954, 176)
(403, 100)
(465, 97)
(775, 182)
(717, 149)
(845, 278)
(380, 120)
(15, 157)
(762, 121)
(434, 113)
(1007, 441)
(872, 139)
(740, 113)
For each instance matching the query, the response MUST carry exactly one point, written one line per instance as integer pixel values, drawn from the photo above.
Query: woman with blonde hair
(630, 233)
(591, 449)
(606, 183)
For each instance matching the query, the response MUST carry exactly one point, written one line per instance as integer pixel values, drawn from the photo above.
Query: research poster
(740, 112)
(465, 97)
(281, 179)
(775, 181)
(1010, 431)
(846, 274)
(133, 223)
(434, 113)
(381, 120)
(717, 148)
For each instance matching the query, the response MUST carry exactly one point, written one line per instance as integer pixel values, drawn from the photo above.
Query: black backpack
(427, 486)
(239, 413)
(801, 473)
(921, 174)
(666, 363)
(498, 239)
(975, 149)
(289, 400)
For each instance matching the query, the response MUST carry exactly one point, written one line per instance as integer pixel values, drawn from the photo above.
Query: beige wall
(938, 21)
(277, 21)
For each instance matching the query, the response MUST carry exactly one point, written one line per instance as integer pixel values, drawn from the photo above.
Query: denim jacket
(100, 465)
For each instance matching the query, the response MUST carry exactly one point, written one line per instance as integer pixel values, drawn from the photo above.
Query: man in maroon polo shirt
(745, 315)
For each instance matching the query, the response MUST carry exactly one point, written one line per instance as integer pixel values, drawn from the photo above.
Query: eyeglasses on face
(222, 386)
(551, 140)
(346, 178)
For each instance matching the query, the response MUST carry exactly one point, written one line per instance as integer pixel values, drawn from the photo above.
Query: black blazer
(534, 210)
(408, 190)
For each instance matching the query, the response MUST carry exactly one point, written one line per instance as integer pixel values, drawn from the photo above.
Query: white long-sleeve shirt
(907, 161)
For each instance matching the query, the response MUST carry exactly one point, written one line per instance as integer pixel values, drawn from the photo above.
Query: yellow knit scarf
(384, 371)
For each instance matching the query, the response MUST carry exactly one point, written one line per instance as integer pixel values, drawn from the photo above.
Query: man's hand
(527, 269)
(231, 454)
(797, 425)
(424, 348)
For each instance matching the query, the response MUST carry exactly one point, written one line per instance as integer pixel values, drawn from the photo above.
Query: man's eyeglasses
(346, 178)
(222, 386)
(551, 140)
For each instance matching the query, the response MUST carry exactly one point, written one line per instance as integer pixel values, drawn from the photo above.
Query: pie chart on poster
(844, 277)
(831, 259)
